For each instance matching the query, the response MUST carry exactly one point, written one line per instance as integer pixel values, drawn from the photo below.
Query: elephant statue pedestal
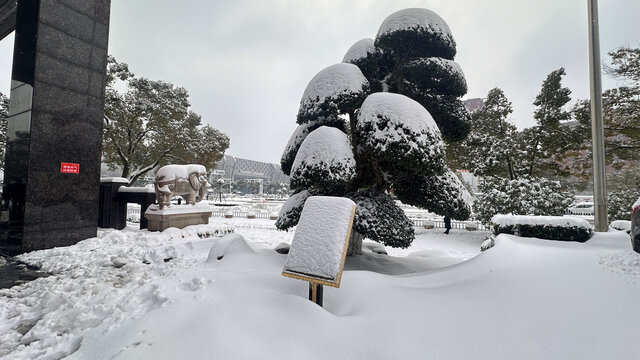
(178, 216)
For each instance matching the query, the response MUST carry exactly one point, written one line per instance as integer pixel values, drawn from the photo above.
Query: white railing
(133, 215)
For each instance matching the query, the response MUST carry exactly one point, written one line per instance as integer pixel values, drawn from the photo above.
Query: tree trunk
(355, 243)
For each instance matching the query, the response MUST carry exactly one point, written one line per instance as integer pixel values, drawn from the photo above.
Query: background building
(233, 168)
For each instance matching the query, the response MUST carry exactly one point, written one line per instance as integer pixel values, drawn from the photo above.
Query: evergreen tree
(364, 146)
(621, 118)
(520, 197)
(545, 142)
(4, 115)
(150, 125)
(491, 147)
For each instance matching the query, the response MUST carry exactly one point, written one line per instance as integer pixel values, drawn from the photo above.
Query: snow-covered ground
(137, 295)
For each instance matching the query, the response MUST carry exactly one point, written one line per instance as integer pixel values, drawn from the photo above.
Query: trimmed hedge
(548, 232)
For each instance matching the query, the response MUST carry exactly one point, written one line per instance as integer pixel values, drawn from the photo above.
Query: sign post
(319, 247)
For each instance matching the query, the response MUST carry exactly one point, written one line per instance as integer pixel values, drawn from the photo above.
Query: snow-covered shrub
(520, 197)
(543, 227)
(379, 219)
(619, 203)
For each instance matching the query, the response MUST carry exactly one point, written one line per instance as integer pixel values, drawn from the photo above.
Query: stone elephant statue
(188, 181)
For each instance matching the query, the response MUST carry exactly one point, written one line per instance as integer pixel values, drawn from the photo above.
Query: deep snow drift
(137, 295)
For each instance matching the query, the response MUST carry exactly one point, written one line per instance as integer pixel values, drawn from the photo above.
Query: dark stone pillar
(55, 117)
(112, 212)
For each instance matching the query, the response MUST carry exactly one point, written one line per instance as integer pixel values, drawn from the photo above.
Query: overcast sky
(246, 63)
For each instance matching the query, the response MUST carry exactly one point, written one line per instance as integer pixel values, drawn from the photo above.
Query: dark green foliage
(320, 177)
(375, 66)
(401, 156)
(378, 218)
(548, 232)
(520, 197)
(450, 114)
(620, 115)
(291, 210)
(331, 106)
(289, 154)
(417, 42)
(438, 75)
(439, 194)
(545, 142)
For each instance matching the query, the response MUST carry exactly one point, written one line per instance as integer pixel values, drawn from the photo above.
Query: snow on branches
(324, 161)
(338, 89)
(401, 135)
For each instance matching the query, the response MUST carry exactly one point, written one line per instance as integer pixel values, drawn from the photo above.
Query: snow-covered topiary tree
(412, 55)
(366, 146)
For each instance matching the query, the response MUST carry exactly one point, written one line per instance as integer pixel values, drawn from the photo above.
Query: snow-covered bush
(520, 197)
(619, 203)
(543, 227)
(364, 146)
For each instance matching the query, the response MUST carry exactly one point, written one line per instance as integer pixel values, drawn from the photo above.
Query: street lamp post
(597, 132)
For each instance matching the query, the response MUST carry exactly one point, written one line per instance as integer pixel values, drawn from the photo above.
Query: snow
(319, 245)
(171, 172)
(113, 179)
(359, 50)
(399, 109)
(407, 123)
(438, 299)
(325, 148)
(178, 209)
(135, 189)
(414, 18)
(333, 81)
(564, 221)
(622, 225)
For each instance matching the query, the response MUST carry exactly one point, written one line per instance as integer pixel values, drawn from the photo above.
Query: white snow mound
(414, 18)
(228, 244)
(359, 50)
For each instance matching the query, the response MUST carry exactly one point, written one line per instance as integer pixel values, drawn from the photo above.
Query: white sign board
(218, 172)
(319, 246)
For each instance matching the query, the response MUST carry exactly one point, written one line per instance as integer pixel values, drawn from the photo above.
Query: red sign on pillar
(69, 168)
